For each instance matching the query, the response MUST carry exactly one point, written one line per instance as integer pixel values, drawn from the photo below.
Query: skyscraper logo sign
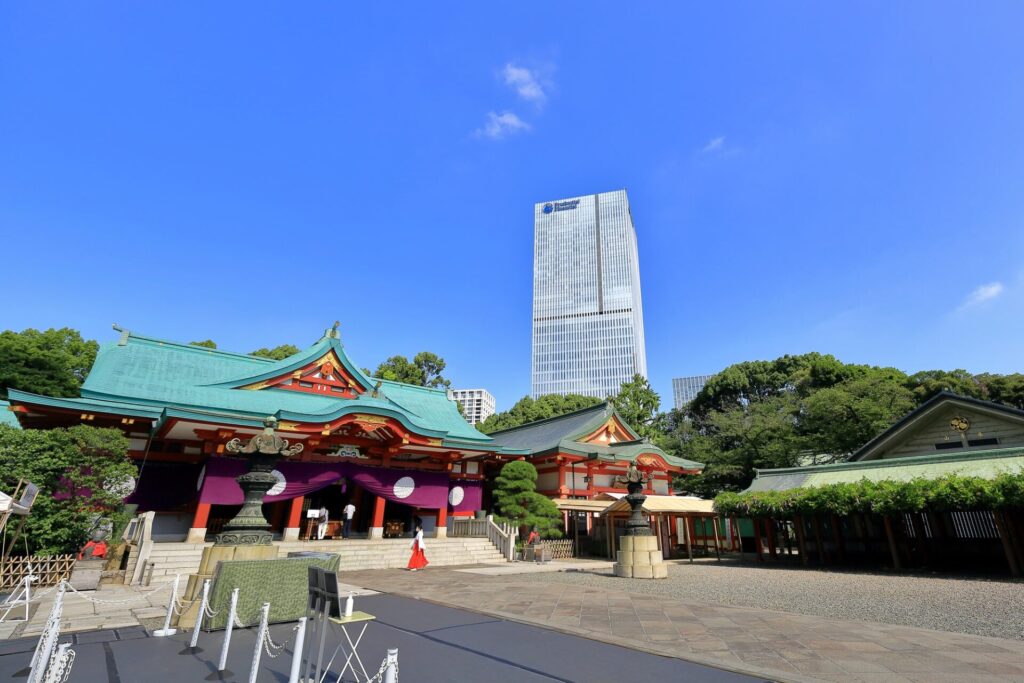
(567, 205)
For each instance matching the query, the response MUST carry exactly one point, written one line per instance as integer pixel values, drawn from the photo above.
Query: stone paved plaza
(984, 607)
(769, 643)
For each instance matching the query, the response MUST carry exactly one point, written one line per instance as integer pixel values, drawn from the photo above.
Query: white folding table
(353, 651)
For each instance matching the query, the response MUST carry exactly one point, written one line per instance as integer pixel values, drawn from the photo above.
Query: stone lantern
(249, 526)
(639, 556)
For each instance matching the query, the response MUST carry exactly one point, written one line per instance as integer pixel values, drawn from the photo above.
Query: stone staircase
(169, 559)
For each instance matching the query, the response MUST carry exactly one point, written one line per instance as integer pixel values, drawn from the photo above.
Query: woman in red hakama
(418, 559)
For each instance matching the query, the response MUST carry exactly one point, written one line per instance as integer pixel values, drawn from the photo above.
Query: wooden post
(798, 525)
(897, 565)
(1011, 557)
(819, 540)
(919, 536)
(377, 525)
(608, 532)
(769, 528)
(718, 547)
(689, 538)
(758, 546)
(837, 531)
(576, 528)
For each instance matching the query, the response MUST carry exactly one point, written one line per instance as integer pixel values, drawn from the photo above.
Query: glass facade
(685, 388)
(588, 325)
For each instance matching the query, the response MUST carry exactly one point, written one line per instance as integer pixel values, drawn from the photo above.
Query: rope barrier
(99, 601)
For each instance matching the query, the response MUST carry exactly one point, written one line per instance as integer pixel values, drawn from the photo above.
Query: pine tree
(519, 503)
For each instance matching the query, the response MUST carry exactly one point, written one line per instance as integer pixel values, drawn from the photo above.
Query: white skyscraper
(477, 404)
(588, 323)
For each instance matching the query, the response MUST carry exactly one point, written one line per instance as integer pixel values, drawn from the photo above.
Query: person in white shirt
(347, 513)
(321, 527)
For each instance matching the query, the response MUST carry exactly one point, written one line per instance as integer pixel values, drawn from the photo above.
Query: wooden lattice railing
(49, 571)
(559, 549)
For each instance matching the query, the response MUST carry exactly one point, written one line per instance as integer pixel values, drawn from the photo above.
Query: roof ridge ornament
(124, 334)
(332, 332)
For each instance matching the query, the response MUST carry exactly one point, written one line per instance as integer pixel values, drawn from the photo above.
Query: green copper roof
(987, 463)
(147, 375)
(560, 434)
(7, 417)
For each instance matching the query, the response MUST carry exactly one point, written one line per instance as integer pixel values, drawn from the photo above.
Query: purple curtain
(465, 495)
(164, 486)
(418, 489)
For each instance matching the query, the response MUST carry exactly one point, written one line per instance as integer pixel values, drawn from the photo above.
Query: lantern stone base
(208, 565)
(640, 558)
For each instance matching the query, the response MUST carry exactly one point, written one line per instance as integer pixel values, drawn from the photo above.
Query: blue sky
(803, 177)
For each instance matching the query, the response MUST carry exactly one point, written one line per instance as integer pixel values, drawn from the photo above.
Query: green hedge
(949, 493)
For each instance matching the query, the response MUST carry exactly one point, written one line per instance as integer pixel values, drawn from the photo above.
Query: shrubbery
(946, 494)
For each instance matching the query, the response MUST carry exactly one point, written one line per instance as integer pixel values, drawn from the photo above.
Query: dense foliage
(52, 362)
(529, 409)
(946, 494)
(277, 353)
(206, 344)
(82, 472)
(807, 409)
(518, 502)
(424, 370)
(638, 405)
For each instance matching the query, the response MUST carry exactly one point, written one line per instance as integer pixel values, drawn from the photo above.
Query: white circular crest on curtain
(202, 478)
(277, 488)
(456, 495)
(404, 487)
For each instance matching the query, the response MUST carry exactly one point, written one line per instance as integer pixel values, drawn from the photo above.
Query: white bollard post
(202, 613)
(48, 639)
(223, 663)
(28, 593)
(391, 666)
(261, 633)
(167, 630)
(300, 641)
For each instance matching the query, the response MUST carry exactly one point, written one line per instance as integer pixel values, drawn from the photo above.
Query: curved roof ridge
(128, 336)
(602, 406)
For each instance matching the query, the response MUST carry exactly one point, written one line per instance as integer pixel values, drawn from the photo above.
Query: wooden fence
(48, 570)
(560, 549)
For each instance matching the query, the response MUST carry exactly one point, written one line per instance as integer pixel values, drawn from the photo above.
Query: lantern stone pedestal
(638, 556)
(247, 536)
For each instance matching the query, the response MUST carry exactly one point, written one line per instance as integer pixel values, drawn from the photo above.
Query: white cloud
(500, 125)
(714, 145)
(981, 294)
(525, 82)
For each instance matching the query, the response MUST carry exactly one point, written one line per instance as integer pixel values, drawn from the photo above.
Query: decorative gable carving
(325, 376)
(612, 431)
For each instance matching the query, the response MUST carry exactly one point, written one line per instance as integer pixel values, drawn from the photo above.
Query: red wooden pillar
(377, 525)
(292, 528)
(441, 531)
(197, 534)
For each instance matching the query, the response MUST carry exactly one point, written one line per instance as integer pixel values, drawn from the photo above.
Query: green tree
(277, 353)
(206, 343)
(399, 369)
(1005, 389)
(424, 370)
(81, 473)
(431, 366)
(927, 383)
(638, 405)
(842, 418)
(518, 502)
(52, 362)
(528, 409)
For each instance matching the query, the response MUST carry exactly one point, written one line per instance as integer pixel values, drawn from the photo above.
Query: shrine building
(580, 455)
(396, 451)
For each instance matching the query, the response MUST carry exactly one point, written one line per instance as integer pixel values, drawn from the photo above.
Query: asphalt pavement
(435, 644)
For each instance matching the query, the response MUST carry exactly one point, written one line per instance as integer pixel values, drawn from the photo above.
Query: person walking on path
(321, 527)
(418, 559)
(347, 514)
